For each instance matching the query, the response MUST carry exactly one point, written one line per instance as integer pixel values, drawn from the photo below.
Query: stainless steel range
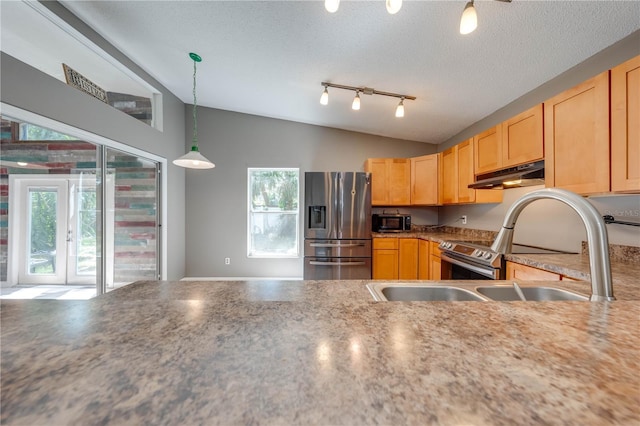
(474, 260)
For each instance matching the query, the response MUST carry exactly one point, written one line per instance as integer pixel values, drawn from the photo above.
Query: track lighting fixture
(355, 105)
(324, 100)
(469, 19)
(193, 159)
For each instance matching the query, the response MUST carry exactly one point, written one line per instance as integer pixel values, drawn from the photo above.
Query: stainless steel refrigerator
(337, 238)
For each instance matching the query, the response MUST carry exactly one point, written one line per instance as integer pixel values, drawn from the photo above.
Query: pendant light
(469, 20)
(193, 159)
(393, 6)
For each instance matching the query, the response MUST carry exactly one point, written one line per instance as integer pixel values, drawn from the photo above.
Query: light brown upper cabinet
(518, 140)
(425, 180)
(390, 181)
(488, 150)
(625, 126)
(450, 175)
(522, 138)
(576, 137)
(458, 173)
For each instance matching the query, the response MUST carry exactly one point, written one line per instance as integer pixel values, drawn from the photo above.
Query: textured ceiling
(269, 57)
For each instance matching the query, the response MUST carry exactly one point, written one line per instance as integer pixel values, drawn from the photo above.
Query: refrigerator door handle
(336, 245)
(316, 263)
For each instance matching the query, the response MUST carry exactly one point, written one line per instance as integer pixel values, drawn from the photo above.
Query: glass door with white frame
(56, 218)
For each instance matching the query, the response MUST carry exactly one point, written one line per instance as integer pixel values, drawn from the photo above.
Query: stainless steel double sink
(386, 291)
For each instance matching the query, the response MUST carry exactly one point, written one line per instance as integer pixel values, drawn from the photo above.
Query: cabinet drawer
(385, 244)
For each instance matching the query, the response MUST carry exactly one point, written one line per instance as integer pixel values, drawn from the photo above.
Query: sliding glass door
(75, 212)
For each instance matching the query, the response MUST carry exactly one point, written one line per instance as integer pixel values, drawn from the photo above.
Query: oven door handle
(487, 272)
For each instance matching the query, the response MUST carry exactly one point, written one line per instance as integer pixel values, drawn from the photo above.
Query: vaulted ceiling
(269, 57)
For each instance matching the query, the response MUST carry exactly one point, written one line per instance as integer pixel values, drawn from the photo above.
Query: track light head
(469, 20)
(400, 109)
(324, 99)
(393, 6)
(331, 5)
(356, 101)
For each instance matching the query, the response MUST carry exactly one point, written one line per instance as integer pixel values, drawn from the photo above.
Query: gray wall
(27, 88)
(550, 223)
(217, 198)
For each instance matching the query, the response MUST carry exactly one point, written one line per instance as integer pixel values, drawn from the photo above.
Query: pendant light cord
(195, 120)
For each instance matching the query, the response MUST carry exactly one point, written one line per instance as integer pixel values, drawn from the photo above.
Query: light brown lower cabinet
(385, 259)
(423, 259)
(435, 261)
(517, 271)
(408, 258)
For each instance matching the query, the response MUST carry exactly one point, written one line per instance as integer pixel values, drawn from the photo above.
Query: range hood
(513, 177)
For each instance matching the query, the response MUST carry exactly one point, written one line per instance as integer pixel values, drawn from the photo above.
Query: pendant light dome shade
(193, 159)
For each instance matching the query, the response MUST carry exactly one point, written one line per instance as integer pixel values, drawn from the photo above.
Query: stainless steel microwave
(391, 223)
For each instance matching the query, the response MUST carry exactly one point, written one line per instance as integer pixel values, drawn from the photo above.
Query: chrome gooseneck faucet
(597, 238)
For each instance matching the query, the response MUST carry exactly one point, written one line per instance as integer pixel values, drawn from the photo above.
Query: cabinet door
(379, 189)
(516, 271)
(465, 172)
(408, 258)
(522, 138)
(488, 150)
(424, 179)
(385, 264)
(625, 126)
(423, 260)
(576, 137)
(434, 268)
(450, 175)
(399, 178)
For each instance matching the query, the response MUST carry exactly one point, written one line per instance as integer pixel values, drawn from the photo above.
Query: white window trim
(272, 256)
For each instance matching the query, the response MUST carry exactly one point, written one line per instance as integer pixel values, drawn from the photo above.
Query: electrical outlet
(227, 260)
(464, 219)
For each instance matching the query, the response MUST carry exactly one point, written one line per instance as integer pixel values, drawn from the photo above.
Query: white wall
(217, 198)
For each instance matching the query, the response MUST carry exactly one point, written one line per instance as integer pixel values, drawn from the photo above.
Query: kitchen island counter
(315, 352)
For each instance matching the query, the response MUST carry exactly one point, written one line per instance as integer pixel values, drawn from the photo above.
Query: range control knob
(478, 253)
(487, 255)
(449, 245)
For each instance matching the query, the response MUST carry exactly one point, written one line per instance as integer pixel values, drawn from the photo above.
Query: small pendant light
(193, 159)
(400, 109)
(394, 6)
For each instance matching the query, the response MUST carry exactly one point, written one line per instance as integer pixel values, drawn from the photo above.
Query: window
(273, 212)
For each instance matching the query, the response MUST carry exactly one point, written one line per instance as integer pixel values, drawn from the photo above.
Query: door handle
(69, 235)
(328, 245)
(316, 263)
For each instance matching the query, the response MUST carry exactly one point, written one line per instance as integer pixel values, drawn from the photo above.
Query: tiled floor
(60, 292)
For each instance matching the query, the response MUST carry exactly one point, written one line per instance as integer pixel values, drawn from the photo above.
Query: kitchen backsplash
(618, 253)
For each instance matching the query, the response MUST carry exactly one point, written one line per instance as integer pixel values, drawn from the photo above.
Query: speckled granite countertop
(315, 352)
